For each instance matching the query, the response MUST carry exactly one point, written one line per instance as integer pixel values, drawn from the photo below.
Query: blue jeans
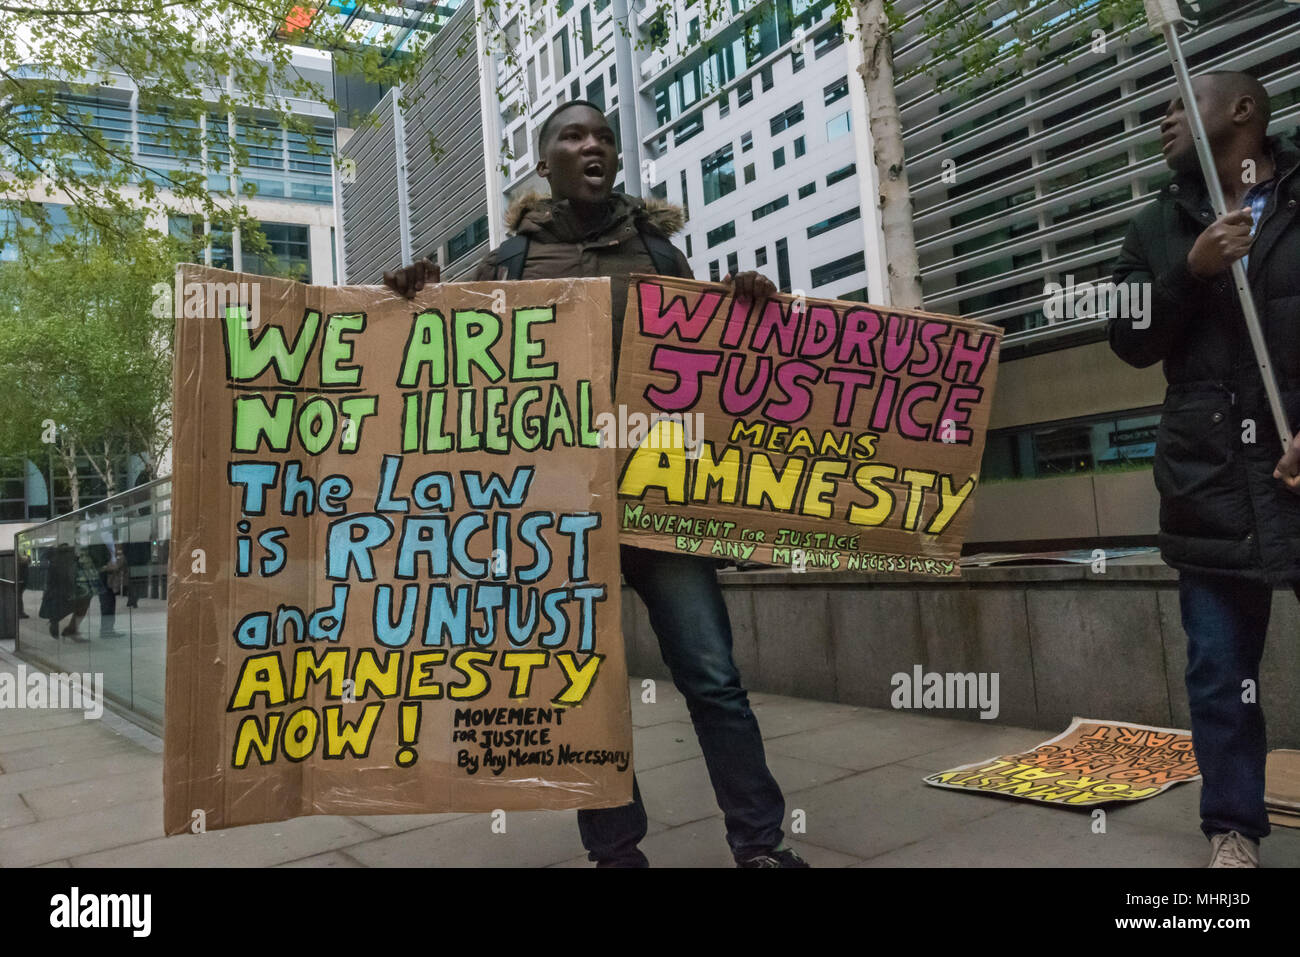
(688, 615)
(1225, 620)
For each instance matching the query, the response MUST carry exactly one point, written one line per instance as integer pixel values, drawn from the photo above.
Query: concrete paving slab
(397, 823)
(661, 744)
(779, 715)
(78, 797)
(88, 769)
(532, 839)
(14, 811)
(867, 814)
(90, 745)
(328, 859)
(668, 703)
(1033, 836)
(996, 742)
(680, 793)
(71, 837)
(875, 738)
(257, 845)
(53, 737)
(18, 722)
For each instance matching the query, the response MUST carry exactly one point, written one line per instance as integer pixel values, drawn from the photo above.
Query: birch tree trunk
(894, 201)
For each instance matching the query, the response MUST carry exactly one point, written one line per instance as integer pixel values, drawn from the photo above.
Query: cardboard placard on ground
(1090, 762)
(394, 567)
(809, 433)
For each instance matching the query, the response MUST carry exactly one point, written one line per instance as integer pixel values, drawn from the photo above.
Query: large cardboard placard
(394, 566)
(1090, 762)
(809, 433)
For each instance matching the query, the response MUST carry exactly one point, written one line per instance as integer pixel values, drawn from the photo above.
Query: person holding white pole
(1229, 521)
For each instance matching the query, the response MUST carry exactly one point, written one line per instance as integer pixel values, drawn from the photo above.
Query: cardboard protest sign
(809, 433)
(394, 566)
(1090, 762)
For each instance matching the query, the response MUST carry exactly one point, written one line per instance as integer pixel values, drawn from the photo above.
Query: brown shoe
(1233, 850)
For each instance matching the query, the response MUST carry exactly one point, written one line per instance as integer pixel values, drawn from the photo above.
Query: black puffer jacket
(1221, 510)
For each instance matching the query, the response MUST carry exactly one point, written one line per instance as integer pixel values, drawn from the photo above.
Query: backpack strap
(662, 253)
(511, 254)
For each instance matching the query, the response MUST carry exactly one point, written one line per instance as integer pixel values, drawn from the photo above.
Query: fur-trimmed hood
(532, 206)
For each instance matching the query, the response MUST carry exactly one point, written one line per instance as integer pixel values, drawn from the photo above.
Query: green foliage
(84, 352)
(986, 42)
(189, 61)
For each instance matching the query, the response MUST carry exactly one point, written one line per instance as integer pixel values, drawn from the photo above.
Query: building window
(586, 32)
(778, 157)
(765, 75)
(827, 42)
(837, 126)
(288, 252)
(746, 142)
(750, 175)
(721, 234)
(718, 170)
(745, 92)
(838, 269)
(713, 271)
(844, 172)
(839, 219)
(782, 266)
(767, 209)
(1080, 445)
(733, 264)
(787, 118)
(685, 130)
(560, 48)
(686, 198)
(465, 240)
(799, 147)
(760, 256)
(689, 252)
(836, 91)
(724, 104)
(807, 190)
(596, 93)
(796, 60)
(693, 31)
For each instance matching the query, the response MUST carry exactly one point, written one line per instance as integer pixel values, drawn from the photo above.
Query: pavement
(88, 793)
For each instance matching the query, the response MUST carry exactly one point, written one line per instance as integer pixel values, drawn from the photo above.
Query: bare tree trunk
(105, 472)
(895, 201)
(110, 477)
(68, 457)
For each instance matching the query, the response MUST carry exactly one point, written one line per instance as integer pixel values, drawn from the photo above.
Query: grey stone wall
(1063, 641)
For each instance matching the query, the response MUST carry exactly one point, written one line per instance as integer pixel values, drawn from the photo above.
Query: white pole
(628, 98)
(490, 108)
(403, 193)
(1164, 17)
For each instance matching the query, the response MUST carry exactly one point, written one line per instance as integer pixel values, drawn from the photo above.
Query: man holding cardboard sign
(586, 230)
